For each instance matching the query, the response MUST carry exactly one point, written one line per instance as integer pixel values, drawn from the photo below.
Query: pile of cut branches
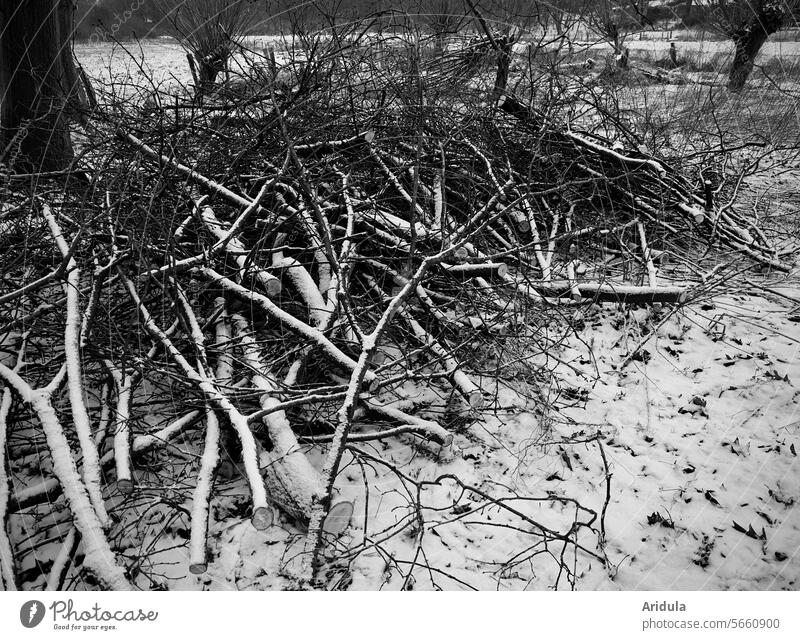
(267, 269)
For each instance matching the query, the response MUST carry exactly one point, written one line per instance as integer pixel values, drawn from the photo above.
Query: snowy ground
(701, 438)
(704, 435)
(156, 62)
(162, 61)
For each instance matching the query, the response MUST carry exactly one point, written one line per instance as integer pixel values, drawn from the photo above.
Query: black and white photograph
(421, 295)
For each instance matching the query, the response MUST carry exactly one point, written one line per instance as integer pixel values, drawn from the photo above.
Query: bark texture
(768, 16)
(37, 81)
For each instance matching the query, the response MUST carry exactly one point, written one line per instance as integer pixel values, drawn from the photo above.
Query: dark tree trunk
(749, 40)
(208, 74)
(558, 20)
(73, 83)
(38, 78)
(505, 47)
(3, 80)
(204, 72)
(622, 58)
(620, 51)
(747, 47)
(439, 42)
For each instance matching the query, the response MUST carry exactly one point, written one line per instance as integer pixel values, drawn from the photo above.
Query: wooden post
(269, 53)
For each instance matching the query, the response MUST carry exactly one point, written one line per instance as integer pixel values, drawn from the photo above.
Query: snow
(294, 483)
(318, 310)
(682, 474)
(688, 468)
(99, 558)
(202, 491)
(77, 400)
(121, 426)
(62, 560)
(6, 556)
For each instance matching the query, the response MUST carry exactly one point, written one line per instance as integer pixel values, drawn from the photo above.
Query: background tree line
(43, 99)
(141, 18)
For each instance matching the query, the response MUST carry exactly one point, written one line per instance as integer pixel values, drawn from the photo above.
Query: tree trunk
(504, 50)
(208, 75)
(73, 83)
(749, 40)
(622, 58)
(3, 83)
(36, 85)
(747, 47)
(620, 51)
(558, 20)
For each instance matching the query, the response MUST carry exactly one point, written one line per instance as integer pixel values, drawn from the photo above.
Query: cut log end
(262, 519)
(475, 400)
(374, 385)
(274, 287)
(125, 485)
(460, 254)
(198, 568)
(447, 441)
(466, 271)
(338, 518)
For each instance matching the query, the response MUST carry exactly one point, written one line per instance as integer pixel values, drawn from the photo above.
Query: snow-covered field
(159, 61)
(163, 61)
(711, 47)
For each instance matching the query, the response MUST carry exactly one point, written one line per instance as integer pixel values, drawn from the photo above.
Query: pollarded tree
(442, 18)
(563, 14)
(615, 20)
(209, 31)
(505, 22)
(38, 83)
(749, 23)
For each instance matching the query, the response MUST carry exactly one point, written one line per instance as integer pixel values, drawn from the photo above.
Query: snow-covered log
(210, 457)
(99, 558)
(611, 292)
(7, 578)
(227, 240)
(476, 270)
(63, 560)
(72, 355)
(261, 517)
(121, 428)
(461, 380)
(293, 483)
